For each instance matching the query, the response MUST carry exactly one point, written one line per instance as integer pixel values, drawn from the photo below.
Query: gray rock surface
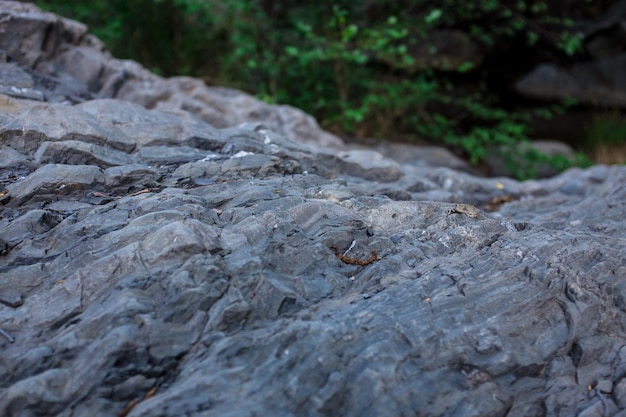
(71, 65)
(153, 264)
(598, 83)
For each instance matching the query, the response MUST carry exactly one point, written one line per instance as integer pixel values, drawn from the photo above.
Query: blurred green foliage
(607, 127)
(350, 64)
(606, 137)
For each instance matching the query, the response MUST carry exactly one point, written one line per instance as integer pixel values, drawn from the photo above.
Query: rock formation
(160, 258)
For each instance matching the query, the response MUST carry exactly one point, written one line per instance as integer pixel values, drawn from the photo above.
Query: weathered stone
(26, 124)
(12, 298)
(620, 394)
(73, 152)
(223, 107)
(16, 82)
(132, 177)
(241, 272)
(595, 83)
(29, 225)
(171, 154)
(369, 165)
(435, 156)
(13, 165)
(151, 128)
(50, 182)
(61, 49)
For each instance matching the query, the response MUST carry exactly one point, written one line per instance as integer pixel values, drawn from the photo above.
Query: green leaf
(291, 50)
(349, 32)
(433, 16)
(539, 7)
(464, 67)
(303, 27)
(570, 44)
(532, 38)
(359, 57)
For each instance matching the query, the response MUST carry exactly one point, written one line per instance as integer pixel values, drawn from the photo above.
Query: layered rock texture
(160, 258)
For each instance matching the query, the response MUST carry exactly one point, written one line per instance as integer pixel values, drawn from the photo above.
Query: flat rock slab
(52, 181)
(77, 152)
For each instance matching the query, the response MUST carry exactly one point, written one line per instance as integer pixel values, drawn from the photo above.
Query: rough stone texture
(72, 65)
(224, 107)
(152, 264)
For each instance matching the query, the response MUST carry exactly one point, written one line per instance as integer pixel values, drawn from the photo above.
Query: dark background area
(446, 72)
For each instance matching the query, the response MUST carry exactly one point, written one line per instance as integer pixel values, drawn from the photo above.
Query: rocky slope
(158, 258)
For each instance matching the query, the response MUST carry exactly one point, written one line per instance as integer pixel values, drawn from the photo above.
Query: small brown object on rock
(134, 403)
(495, 203)
(353, 261)
(467, 209)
